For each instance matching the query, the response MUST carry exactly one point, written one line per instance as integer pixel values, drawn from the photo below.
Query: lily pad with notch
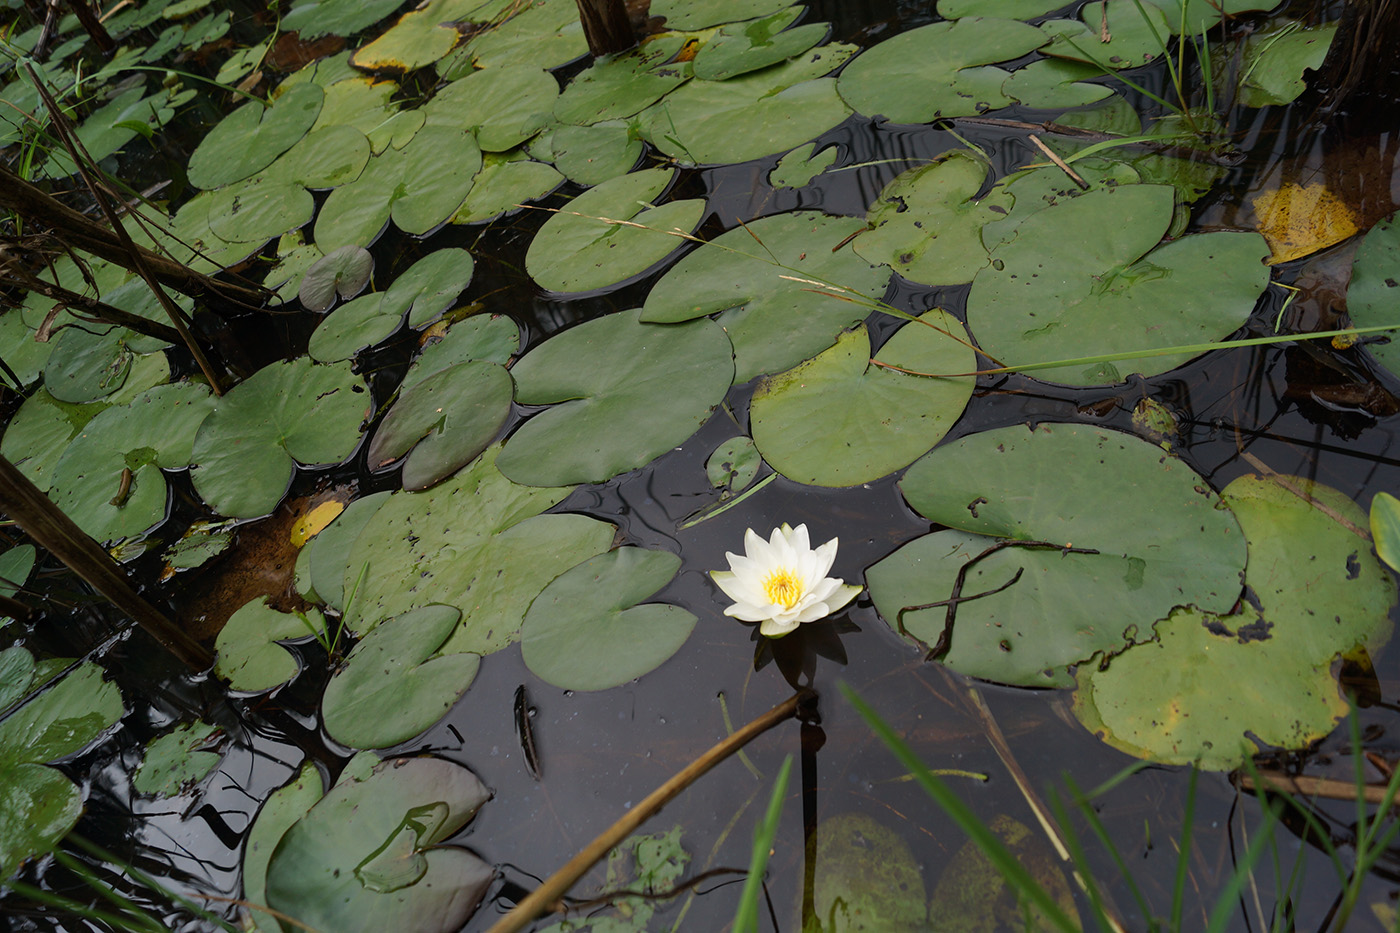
(251, 137)
(397, 682)
(502, 106)
(176, 760)
(505, 183)
(733, 464)
(342, 273)
(547, 34)
(702, 14)
(627, 392)
(251, 657)
(587, 631)
(590, 155)
(311, 19)
(617, 86)
(327, 157)
(739, 48)
(1134, 34)
(1374, 285)
(282, 808)
(420, 37)
(491, 337)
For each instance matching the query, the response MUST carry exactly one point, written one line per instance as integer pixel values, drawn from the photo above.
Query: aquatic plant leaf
(866, 877)
(287, 413)
(546, 34)
(85, 365)
(1371, 294)
(503, 106)
(469, 542)
(491, 337)
(840, 419)
(733, 464)
(342, 273)
(760, 279)
(16, 563)
(330, 873)
(250, 656)
(1110, 286)
(1385, 530)
(927, 222)
(40, 432)
(1186, 17)
(396, 132)
(442, 422)
(1276, 60)
(174, 761)
(1063, 485)
(312, 19)
(255, 211)
(743, 47)
(360, 101)
(351, 328)
(611, 234)
(1136, 33)
(431, 285)
(112, 126)
(251, 137)
(418, 38)
(63, 720)
(200, 544)
(617, 86)
(590, 155)
(1055, 84)
(155, 431)
(1298, 220)
(395, 683)
(749, 117)
(38, 806)
(25, 356)
(282, 808)
(800, 166)
(586, 631)
(702, 14)
(972, 889)
(16, 663)
(329, 552)
(324, 158)
(1010, 9)
(939, 70)
(627, 393)
(503, 185)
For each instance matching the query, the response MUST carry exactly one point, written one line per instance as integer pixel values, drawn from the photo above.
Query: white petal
(748, 612)
(825, 556)
(776, 629)
(824, 588)
(843, 596)
(732, 586)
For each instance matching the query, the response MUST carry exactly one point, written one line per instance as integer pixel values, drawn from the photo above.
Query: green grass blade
(746, 917)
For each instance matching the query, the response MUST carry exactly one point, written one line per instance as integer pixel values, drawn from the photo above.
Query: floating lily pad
(250, 656)
(1135, 34)
(939, 70)
(800, 166)
(63, 720)
(841, 420)
(492, 337)
(359, 101)
(761, 277)
(328, 553)
(324, 158)
(628, 392)
(865, 877)
(1054, 84)
(343, 272)
(439, 424)
(112, 126)
(468, 542)
(395, 683)
(1109, 287)
(503, 185)
(702, 14)
(1385, 530)
(284, 414)
(419, 38)
(503, 106)
(16, 563)
(1011, 9)
(590, 155)
(283, 807)
(87, 364)
(395, 132)
(351, 328)
(38, 806)
(973, 889)
(620, 85)
(1064, 486)
(201, 543)
(251, 137)
(734, 464)
(546, 34)
(175, 760)
(255, 211)
(367, 857)
(586, 631)
(743, 47)
(1276, 60)
(1375, 284)
(40, 432)
(611, 234)
(314, 18)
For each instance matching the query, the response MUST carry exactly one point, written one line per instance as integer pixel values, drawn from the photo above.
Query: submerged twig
(1060, 163)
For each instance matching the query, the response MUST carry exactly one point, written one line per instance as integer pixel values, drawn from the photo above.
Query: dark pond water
(1312, 412)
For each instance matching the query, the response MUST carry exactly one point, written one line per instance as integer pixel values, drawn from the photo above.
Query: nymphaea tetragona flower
(782, 582)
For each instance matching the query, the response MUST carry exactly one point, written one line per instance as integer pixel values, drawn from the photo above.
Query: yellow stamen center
(783, 587)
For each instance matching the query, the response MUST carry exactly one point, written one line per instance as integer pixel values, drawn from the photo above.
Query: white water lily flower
(782, 582)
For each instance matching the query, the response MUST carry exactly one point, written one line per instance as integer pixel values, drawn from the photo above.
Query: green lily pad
(702, 14)
(367, 857)
(1136, 34)
(395, 684)
(939, 70)
(40, 432)
(174, 761)
(545, 34)
(251, 137)
(1276, 59)
(283, 807)
(1055, 84)
(250, 655)
(1109, 286)
(327, 157)
(469, 542)
(865, 877)
(628, 392)
(312, 19)
(87, 364)
(586, 631)
(329, 552)
(112, 126)
(255, 211)
(1385, 530)
(1065, 486)
(1011, 9)
(442, 422)
(502, 106)
(800, 166)
(617, 86)
(492, 337)
(38, 806)
(590, 155)
(63, 720)
(430, 286)
(611, 234)
(973, 889)
(201, 543)
(16, 563)
(342, 272)
(155, 431)
(760, 276)
(503, 185)
(25, 356)
(395, 132)
(841, 420)
(351, 328)
(1196, 16)
(1375, 278)
(734, 464)
(284, 414)
(419, 38)
(743, 47)
(359, 101)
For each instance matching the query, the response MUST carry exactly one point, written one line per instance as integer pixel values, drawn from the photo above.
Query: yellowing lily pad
(1298, 220)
